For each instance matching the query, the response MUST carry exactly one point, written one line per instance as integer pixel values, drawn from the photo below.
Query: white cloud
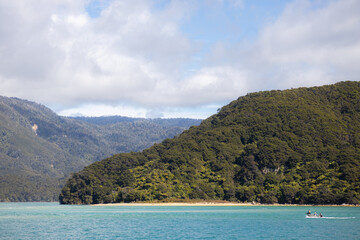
(207, 84)
(68, 57)
(308, 46)
(53, 52)
(104, 110)
(139, 112)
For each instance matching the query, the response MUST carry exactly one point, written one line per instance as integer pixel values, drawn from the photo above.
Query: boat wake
(339, 217)
(331, 217)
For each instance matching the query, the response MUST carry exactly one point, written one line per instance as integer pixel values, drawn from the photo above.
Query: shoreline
(214, 204)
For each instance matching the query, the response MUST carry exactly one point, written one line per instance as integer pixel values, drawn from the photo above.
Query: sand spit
(175, 204)
(215, 204)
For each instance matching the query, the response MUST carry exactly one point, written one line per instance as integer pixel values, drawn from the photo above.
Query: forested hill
(39, 149)
(293, 146)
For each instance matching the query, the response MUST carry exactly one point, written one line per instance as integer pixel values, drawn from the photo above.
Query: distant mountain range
(299, 146)
(39, 149)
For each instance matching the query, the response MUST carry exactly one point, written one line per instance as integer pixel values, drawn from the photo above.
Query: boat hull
(313, 216)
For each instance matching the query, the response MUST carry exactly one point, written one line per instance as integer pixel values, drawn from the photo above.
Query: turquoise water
(54, 221)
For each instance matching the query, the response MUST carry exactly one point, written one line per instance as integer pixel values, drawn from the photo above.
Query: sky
(171, 58)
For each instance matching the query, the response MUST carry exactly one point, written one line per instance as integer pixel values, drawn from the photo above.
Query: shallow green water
(54, 221)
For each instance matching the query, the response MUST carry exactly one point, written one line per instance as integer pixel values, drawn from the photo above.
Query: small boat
(309, 215)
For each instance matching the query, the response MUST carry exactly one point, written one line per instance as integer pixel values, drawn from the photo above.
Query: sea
(55, 221)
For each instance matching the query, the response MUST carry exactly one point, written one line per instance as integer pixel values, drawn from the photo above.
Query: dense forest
(39, 149)
(292, 146)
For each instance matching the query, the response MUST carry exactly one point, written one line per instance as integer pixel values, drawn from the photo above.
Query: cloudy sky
(164, 58)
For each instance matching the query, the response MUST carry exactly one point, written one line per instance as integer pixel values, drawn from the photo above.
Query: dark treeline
(293, 146)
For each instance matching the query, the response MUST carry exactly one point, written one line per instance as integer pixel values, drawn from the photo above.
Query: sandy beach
(215, 204)
(176, 204)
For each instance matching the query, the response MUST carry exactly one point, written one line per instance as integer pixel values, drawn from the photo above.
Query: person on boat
(320, 215)
(309, 212)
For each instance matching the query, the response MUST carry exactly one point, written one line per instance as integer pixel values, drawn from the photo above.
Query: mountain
(292, 146)
(39, 149)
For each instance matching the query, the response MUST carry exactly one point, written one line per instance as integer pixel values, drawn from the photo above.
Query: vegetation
(39, 149)
(293, 146)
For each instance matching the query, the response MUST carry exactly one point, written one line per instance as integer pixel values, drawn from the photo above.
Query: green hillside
(39, 149)
(293, 146)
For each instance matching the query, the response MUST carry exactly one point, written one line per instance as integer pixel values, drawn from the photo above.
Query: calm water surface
(54, 221)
